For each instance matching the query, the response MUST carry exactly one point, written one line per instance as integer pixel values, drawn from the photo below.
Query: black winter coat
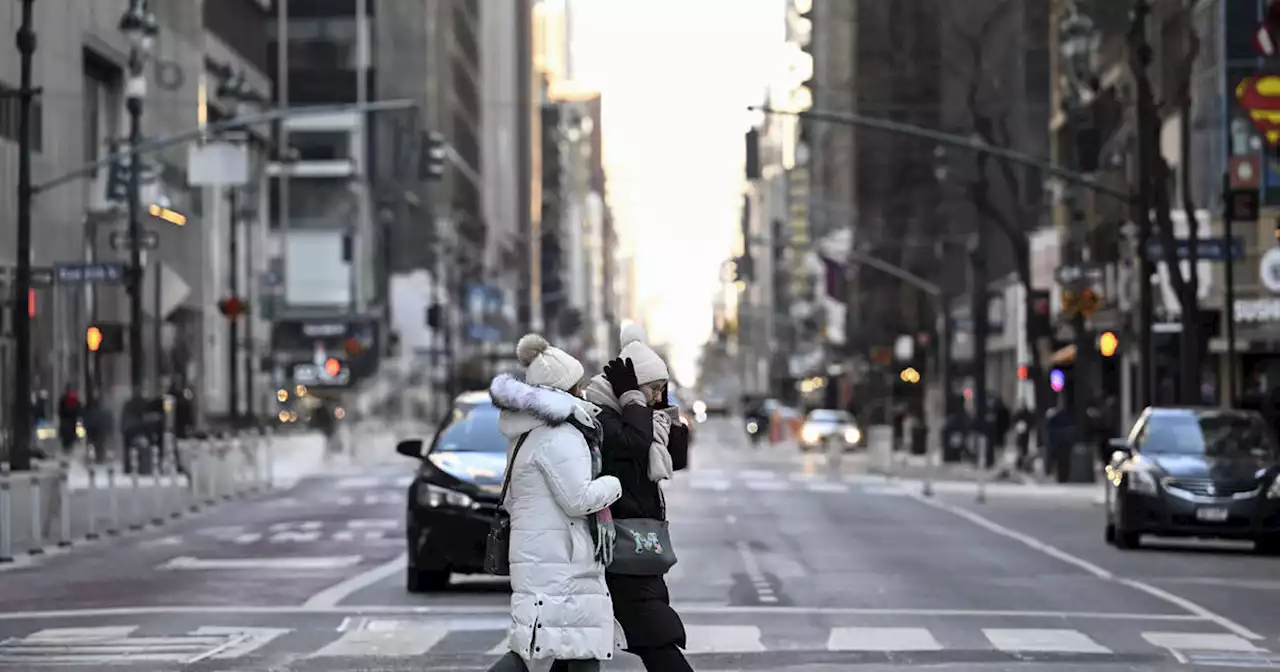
(641, 603)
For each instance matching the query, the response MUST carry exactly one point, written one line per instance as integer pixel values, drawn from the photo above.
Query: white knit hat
(649, 366)
(546, 365)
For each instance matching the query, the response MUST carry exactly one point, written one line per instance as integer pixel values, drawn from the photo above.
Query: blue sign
(1209, 249)
(1057, 380)
(108, 272)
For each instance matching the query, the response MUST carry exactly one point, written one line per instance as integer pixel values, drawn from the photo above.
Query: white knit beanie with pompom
(649, 366)
(547, 365)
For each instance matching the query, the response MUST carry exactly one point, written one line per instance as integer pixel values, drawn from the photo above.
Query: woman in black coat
(628, 405)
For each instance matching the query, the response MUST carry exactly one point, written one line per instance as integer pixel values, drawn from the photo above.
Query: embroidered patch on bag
(648, 542)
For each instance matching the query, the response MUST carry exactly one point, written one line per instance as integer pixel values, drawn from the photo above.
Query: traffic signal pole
(20, 443)
(233, 317)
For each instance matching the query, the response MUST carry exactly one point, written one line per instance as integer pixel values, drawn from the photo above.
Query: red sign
(1259, 95)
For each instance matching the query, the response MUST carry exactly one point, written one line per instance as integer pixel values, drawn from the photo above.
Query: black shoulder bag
(497, 547)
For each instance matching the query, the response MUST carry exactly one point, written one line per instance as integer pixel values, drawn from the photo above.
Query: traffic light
(117, 187)
(104, 338)
(909, 375)
(434, 153)
(232, 307)
(1108, 343)
(332, 367)
(753, 154)
(93, 338)
(353, 347)
(435, 316)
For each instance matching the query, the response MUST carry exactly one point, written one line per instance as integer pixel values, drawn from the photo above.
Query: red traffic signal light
(353, 346)
(232, 307)
(332, 367)
(93, 338)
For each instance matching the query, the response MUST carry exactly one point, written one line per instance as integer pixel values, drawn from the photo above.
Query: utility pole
(20, 451)
(1229, 296)
(1140, 61)
(981, 330)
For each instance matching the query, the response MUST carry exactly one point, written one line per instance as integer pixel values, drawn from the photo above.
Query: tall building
(80, 64)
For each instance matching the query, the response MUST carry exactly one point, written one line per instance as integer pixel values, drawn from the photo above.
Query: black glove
(661, 402)
(621, 375)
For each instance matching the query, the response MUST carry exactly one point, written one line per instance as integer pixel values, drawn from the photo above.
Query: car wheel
(1267, 545)
(1127, 540)
(1110, 534)
(426, 580)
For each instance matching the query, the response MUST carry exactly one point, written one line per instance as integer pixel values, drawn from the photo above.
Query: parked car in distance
(1195, 472)
(454, 495)
(822, 426)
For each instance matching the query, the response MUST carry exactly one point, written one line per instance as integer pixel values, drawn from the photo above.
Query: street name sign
(98, 272)
(1207, 249)
(119, 240)
(41, 276)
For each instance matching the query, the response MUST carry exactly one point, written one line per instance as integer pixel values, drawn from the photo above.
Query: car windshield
(829, 417)
(1211, 434)
(476, 431)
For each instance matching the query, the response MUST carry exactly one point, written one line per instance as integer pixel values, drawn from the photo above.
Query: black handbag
(497, 547)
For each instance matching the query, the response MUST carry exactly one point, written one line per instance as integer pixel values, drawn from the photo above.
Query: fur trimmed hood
(525, 407)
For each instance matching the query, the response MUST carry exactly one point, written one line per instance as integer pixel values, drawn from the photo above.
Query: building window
(328, 43)
(321, 145)
(9, 117)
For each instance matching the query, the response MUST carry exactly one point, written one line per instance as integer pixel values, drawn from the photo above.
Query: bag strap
(506, 478)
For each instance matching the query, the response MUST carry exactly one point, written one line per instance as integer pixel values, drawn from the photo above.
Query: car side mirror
(410, 448)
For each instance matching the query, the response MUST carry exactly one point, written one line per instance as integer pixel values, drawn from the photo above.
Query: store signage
(1257, 310)
(1269, 269)
(320, 330)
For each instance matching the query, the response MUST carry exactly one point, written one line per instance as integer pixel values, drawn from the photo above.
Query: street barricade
(61, 502)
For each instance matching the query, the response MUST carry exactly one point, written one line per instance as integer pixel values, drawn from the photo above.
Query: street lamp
(140, 27)
(1079, 39)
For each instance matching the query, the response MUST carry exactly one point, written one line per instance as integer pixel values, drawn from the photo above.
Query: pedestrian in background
(69, 411)
(561, 614)
(644, 444)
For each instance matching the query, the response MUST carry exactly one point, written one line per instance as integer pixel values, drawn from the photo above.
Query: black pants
(667, 658)
(512, 662)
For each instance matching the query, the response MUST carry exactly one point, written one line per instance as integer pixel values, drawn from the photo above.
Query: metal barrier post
(983, 450)
(226, 470)
(37, 527)
(190, 457)
(113, 497)
(6, 515)
(174, 490)
(135, 507)
(64, 503)
(91, 493)
(270, 455)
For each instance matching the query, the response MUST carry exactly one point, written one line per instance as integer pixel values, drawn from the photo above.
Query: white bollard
(225, 468)
(64, 503)
(983, 448)
(269, 455)
(174, 492)
(188, 450)
(91, 493)
(135, 508)
(37, 522)
(6, 515)
(210, 472)
(113, 497)
(157, 491)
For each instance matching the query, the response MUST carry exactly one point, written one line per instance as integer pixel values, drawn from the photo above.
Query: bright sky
(676, 77)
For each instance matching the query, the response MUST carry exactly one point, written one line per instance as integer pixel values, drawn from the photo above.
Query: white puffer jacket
(560, 606)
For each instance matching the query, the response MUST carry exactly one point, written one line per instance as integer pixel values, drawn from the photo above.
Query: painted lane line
(751, 566)
(289, 563)
(882, 639)
(241, 642)
(106, 632)
(334, 594)
(1197, 641)
(1042, 640)
(723, 639)
(405, 641)
(1105, 575)
(504, 609)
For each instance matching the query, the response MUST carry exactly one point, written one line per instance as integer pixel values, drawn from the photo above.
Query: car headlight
(810, 435)
(1274, 491)
(434, 496)
(1143, 482)
(852, 435)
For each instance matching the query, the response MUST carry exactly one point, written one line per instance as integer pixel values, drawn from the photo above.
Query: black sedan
(454, 497)
(1195, 472)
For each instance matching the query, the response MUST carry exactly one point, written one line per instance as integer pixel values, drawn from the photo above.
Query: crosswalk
(769, 481)
(413, 639)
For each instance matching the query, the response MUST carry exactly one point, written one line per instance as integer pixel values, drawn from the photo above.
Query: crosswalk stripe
(501, 647)
(818, 486)
(766, 486)
(723, 639)
(242, 641)
(403, 641)
(1043, 640)
(1199, 641)
(82, 634)
(882, 639)
(710, 484)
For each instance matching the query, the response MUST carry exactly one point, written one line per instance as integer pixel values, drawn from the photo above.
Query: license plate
(1211, 515)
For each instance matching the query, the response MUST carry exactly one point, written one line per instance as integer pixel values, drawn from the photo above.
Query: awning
(1064, 357)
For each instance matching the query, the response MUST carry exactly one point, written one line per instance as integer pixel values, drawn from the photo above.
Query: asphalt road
(784, 565)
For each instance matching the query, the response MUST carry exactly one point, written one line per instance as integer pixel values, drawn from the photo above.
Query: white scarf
(660, 467)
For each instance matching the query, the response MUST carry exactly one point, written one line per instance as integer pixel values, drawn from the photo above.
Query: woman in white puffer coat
(561, 532)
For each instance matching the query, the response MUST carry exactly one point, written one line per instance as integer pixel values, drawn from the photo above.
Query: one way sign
(120, 240)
